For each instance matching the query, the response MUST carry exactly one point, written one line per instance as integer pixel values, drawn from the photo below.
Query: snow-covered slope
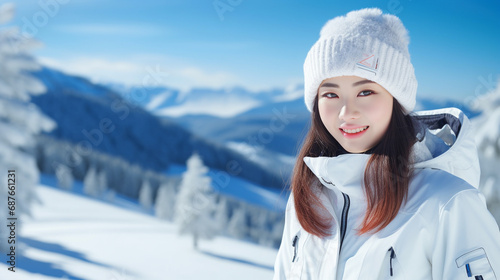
(74, 237)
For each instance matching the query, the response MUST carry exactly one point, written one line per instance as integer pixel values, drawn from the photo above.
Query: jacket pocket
(475, 264)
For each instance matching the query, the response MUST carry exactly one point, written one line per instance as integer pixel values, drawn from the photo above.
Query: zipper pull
(393, 255)
(295, 246)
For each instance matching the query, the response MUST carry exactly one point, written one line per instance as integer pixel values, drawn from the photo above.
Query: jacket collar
(344, 172)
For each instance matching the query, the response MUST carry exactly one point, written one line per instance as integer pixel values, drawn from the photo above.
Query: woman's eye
(330, 95)
(366, 93)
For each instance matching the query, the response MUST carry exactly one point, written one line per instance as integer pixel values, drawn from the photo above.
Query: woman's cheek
(325, 109)
(379, 109)
(329, 115)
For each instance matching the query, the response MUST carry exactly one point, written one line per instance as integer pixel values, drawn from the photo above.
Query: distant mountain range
(223, 103)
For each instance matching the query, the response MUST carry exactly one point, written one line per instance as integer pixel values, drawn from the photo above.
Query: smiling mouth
(354, 131)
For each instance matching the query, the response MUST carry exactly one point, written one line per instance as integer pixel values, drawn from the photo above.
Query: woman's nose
(349, 111)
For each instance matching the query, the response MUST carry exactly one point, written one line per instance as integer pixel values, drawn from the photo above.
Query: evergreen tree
(102, 182)
(195, 202)
(146, 195)
(90, 182)
(221, 216)
(165, 202)
(277, 232)
(64, 177)
(238, 225)
(20, 121)
(258, 230)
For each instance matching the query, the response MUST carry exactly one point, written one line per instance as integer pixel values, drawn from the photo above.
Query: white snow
(266, 158)
(73, 236)
(157, 100)
(226, 107)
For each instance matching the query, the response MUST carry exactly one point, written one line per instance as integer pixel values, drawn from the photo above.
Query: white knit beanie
(367, 44)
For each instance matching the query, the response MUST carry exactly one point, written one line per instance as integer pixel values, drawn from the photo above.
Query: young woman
(379, 191)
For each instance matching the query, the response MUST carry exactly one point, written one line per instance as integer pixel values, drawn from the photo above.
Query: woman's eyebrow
(362, 83)
(329, 85)
(354, 84)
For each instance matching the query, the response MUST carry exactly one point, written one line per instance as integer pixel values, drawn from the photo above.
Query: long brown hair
(386, 176)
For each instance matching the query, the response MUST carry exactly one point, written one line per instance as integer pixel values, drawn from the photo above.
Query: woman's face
(355, 111)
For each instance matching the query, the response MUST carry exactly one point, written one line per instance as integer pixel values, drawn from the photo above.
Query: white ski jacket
(444, 230)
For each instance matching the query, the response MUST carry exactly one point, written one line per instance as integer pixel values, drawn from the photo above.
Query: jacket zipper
(343, 221)
(295, 246)
(393, 255)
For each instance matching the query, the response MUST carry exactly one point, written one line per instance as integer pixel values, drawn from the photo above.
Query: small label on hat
(368, 63)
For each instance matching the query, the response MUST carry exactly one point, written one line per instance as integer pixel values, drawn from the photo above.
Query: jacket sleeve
(467, 244)
(283, 261)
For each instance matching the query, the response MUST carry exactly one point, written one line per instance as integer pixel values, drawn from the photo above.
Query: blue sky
(454, 45)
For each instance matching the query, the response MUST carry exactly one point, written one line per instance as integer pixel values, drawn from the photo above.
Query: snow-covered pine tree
(221, 216)
(238, 225)
(196, 202)
(277, 232)
(165, 202)
(20, 120)
(146, 195)
(102, 181)
(258, 230)
(91, 183)
(64, 177)
(132, 179)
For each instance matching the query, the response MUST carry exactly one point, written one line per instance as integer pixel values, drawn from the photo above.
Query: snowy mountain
(96, 119)
(59, 82)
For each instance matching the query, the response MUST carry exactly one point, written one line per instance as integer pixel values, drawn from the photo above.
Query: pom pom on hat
(387, 28)
(364, 43)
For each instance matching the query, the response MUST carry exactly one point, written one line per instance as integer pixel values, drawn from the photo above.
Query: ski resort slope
(72, 236)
